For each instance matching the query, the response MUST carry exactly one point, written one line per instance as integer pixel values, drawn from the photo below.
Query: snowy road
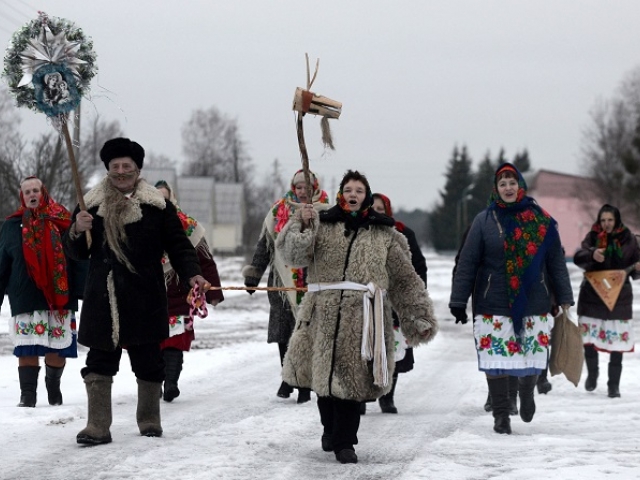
(229, 424)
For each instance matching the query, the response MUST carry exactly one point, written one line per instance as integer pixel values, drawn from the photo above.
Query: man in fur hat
(125, 301)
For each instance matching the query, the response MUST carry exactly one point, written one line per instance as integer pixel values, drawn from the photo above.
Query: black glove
(251, 282)
(555, 309)
(460, 314)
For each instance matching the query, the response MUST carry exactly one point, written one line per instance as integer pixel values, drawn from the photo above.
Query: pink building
(569, 199)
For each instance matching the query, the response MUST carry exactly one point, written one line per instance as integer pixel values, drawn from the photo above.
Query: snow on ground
(229, 424)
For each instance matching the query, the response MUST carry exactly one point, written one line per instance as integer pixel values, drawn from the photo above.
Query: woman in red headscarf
(404, 353)
(283, 305)
(43, 286)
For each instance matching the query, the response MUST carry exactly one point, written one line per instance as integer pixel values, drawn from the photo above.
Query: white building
(218, 207)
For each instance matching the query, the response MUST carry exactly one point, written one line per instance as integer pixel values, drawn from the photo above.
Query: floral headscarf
(42, 230)
(284, 207)
(610, 241)
(528, 231)
(388, 211)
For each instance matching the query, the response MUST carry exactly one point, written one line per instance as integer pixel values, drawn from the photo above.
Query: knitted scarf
(42, 230)
(528, 232)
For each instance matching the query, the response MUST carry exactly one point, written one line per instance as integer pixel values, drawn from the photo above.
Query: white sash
(373, 343)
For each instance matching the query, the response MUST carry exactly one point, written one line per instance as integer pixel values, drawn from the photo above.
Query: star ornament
(48, 49)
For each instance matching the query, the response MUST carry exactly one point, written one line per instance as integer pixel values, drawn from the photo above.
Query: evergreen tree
(521, 161)
(482, 186)
(447, 219)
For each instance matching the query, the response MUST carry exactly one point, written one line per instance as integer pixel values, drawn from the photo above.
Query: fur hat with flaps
(122, 147)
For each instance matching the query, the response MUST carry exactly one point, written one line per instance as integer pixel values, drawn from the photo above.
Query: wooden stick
(74, 170)
(305, 158)
(266, 289)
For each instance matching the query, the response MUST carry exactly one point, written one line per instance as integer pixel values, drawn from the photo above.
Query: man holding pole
(125, 302)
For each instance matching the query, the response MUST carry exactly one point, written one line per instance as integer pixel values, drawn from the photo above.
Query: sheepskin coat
(325, 349)
(281, 319)
(120, 307)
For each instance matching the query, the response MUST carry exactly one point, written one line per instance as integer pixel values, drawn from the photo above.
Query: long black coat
(122, 308)
(589, 303)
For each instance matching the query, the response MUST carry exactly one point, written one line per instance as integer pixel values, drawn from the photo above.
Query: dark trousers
(615, 358)
(341, 419)
(146, 362)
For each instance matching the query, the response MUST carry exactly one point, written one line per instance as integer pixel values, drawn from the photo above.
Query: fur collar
(144, 194)
(335, 214)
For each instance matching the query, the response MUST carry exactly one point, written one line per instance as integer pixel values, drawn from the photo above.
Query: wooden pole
(305, 158)
(74, 170)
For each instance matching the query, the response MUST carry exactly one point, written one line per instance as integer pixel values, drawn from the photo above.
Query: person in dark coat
(125, 301)
(283, 305)
(181, 328)
(404, 353)
(43, 286)
(512, 262)
(609, 245)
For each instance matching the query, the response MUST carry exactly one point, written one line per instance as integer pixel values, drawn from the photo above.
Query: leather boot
(285, 390)
(304, 395)
(99, 417)
(28, 385)
(591, 359)
(513, 395)
(52, 381)
(172, 367)
(386, 401)
(614, 380)
(526, 386)
(543, 384)
(487, 403)
(499, 390)
(148, 411)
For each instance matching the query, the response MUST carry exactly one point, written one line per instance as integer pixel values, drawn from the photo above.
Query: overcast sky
(415, 77)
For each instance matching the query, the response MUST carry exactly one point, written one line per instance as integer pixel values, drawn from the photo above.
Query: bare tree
(213, 147)
(606, 143)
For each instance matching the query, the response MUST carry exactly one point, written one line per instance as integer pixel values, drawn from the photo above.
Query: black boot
(543, 384)
(173, 366)
(614, 380)
(499, 390)
(591, 359)
(52, 381)
(386, 401)
(285, 390)
(526, 386)
(28, 385)
(487, 404)
(513, 395)
(304, 395)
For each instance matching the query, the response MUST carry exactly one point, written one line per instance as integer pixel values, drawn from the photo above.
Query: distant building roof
(557, 184)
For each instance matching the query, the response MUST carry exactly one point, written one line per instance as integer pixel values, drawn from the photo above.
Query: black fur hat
(122, 147)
